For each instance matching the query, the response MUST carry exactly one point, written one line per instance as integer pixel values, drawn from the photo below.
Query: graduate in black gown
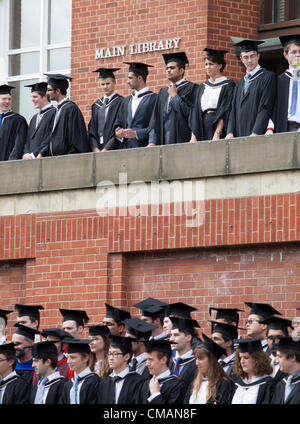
(286, 113)
(13, 127)
(49, 388)
(69, 134)
(13, 388)
(102, 125)
(253, 368)
(83, 388)
(74, 321)
(211, 385)
(135, 112)
(114, 318)
(29, 315)
(253, 96)
(152, 311)
(209, 114)
(287, 391)
(183, 363)
(164, 388)
(169, 121)
(41, 123)
(122, 385)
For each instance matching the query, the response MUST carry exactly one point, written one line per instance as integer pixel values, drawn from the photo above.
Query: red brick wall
(246, 249)
(198, 23)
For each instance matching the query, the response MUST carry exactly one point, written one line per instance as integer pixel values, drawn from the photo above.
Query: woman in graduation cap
(253, 368)
(99, 346)
(209, 115)
(211, 384)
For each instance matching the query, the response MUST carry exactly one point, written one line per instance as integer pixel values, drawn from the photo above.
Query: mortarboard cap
(248, 45)
(59, 81)
(249, 345)
(212, 347)
(117, 314)
(43, 348)
(151, 307)
(4, 313)
(277, 323)
(123, 343)
(74, 315)
(263, 309)
(139, 328)
(57, 332)
(78, 345)
(163, 346)
(138, 68)
(38, 86)
(225, 329)
(180, 58)
(25, 331)
(184, 324)
(106, 72)
(6, 89)
(285, 40)
(230, 314)
(287, 343)
(7, 348)
(179, 309)
(99, 330)
(217, 53)
(28, 310)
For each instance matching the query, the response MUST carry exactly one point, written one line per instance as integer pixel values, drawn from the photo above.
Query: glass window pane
(25, 18)
(59, 59)
(21, 98)
(60, 16)
(25, 63)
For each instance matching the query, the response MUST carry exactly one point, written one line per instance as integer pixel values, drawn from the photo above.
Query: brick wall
(80, 260)
(199, 23)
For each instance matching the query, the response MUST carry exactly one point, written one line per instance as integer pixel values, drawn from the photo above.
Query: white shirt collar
(143, 90)
(254, 379)
(109, 97)
(228, 358)
(122, 373)
(53, 376)
(179, 82)
(140, 358)
(217, 80)
(46, 107)
(253, 71)
(83, 373)
(164, 374)
(186, 355)
(12, 374)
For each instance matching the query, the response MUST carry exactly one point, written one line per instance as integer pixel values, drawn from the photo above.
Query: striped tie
(177, 366)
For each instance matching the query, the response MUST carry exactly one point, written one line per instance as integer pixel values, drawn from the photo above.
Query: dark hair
(216, 59)
(11, 356)
(287, 48)
(59, 86)
(262, 364)
(45, 356)
(283, 329)
(290, 353)
(161, 355)
(124, 349)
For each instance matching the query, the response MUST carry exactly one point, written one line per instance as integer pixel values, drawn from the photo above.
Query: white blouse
(247, 394)
(211, 94)
(200, 397)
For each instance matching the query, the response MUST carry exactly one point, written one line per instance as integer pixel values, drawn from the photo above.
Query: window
(36, 38)
(276, 11)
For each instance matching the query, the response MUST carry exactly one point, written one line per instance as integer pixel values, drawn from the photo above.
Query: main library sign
(143, 47)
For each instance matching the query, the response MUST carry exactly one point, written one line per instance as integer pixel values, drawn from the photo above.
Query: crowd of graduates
(161, 357)
(259, 103)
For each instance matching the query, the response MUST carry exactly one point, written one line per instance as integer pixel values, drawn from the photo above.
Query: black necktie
(101, 117)
(134, 364)
(117, 378)
(223, 363)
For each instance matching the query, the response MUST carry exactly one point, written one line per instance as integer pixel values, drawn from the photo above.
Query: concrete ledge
(248, 155)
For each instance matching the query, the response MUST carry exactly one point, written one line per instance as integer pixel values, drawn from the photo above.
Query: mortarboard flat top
(57, 332)
(163, 346)
(139, 67)
(227, 330)
(248, 45)
(138, 327)
(123, 343)
(277, 323)
(74, 315)
(43, 348)
(7, 348)
(106, 72)
(117, 314)
(249, 345)
(25, 331)
(179, 309)
(212, 347)
(151, 307)
(179, 57)
(78, 345)
(38, 86)
(6, 89)
(285, 40)
(28, 310)
(184, 324)
(58, 77)
(287, 343)
(214, 52)
(99, 330)
(231, 314)
(4, 313)
(263, 309)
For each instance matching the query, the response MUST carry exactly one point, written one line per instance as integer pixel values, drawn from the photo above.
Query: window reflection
(24, 63)
(60, 15)
(25, 23)
(59, 59)
(21, 99)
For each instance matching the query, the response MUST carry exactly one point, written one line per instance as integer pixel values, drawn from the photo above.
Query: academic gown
(250, 112)
(188, 370)
(265, 391)
(69, 134)
(36, 136)
(142, 369)
(224, 393)
(17, 391)
(172, 392)
(139, 122)
(54, 393)
(294, 396)
(280, 111)
(13, 133)
(88, 390)
(110, 122)
(26, 371)
(178, 116)
(222, 111)
(128, 394)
